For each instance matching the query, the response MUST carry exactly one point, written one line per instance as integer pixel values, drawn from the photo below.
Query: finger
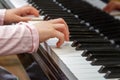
(113, 5)
(29, 10)
(63, 29)
(60, 36)
(109, 8)
(118, 5)
(60, 20)
(24, 19)
(106, 8)
(34, 11)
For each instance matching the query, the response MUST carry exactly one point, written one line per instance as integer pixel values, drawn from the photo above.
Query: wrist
(6, 16)
(2, 16)
(34, 35)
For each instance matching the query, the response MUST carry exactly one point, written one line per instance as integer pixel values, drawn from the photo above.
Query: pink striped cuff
(35, 37)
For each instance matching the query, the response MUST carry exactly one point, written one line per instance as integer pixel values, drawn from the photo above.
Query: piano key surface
(97, 3)
(77, 64)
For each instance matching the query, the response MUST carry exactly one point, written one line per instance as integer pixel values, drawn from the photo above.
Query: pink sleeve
(2, 14)
(19, 38)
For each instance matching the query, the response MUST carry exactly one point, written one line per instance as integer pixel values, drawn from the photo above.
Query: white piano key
(75, 62)
(97, 3)
(86, 77)
(89, 75)
(85, 66)
(94, 79)
(81, 71)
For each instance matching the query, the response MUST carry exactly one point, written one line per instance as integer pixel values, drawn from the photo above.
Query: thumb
(19, 18)
(25, 19)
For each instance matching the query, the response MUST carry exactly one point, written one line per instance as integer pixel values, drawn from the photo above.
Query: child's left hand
(19, 14)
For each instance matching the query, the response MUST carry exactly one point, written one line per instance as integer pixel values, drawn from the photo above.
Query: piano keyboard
(93, 33)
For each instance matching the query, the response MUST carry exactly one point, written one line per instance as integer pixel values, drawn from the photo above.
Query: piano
(93, 52)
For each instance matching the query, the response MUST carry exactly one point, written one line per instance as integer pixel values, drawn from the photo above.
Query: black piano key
(111, 31)
(75, 43)
(104, 69)
(111, 34)
(110, 28)
(61, 15)
(72, 18)
(92, 48)
(46, 17)
(101, 52)
(91, 57)
(96, 22)
(79, 26)
(112, 74)
(86, 38)
(107, 25)
(83, 36)
(95, 45)
(80, 34)
(80, 29)
(106, 1)
(72, 22)
(117, 40)
(94, 41)
(50, 10)
(56, 12)
(48, 7)
(105, 62)
(92, 45)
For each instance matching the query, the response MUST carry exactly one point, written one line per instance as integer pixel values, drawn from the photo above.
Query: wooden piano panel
(13, 65)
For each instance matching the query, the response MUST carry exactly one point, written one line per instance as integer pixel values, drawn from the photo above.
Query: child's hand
(53, 28)
(19, 14)
(112, 5)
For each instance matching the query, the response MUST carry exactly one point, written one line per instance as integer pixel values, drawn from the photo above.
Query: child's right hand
(53, 28)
